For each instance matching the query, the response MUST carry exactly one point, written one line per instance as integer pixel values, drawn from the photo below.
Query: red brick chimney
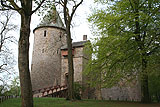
(84, 37)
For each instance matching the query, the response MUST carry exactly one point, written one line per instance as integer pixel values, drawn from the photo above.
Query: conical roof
(53, 19)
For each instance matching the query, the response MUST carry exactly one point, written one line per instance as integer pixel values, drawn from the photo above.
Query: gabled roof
(75, 44)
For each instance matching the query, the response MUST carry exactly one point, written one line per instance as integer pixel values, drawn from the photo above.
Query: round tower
(49, 36)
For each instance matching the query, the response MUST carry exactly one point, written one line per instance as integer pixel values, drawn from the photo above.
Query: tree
(69, 9)
(154, 86)
(67, 19)
(11, 89)
(154, 79)
(6, 56)
(24, 8)
(14, 87)
(129, 43)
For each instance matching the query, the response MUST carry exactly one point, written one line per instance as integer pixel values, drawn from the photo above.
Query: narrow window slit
(45, 33)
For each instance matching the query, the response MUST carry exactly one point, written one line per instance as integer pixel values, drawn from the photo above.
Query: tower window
(60, 36)
(42, 50)
(45, 33)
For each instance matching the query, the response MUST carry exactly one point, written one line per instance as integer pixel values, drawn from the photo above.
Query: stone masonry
(128, 93)
(78, 61)
(46, 58)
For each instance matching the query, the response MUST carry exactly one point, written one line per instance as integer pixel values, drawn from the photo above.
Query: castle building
(49, 37)
(49, 58)
(50, 63)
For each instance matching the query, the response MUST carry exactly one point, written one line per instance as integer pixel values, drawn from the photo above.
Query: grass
(58, 102)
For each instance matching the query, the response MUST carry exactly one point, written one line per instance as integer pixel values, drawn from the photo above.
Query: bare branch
(75, 7)
(7, 6)
(60, 2)
(39, 5)
(65, 11)
(3, 9)
(16, 7)
(13, 5)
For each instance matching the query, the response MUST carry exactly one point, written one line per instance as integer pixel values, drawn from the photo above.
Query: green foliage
(13, 88)
(3, 89)
(110, 59)
(77, 90)
(119, 53)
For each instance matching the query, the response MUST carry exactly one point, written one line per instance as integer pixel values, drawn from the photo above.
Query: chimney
(84, 37)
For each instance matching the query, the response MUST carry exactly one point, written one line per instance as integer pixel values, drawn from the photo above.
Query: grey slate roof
(75, 44)
(52, 19)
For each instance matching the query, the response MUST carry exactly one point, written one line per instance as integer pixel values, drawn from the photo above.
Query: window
(45, 33)
(60, 36)
(42, 50)
(57, 51)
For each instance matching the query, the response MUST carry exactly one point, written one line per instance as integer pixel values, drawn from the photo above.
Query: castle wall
(77, 63)
(80, 60)
(46, 57)
(129, 93)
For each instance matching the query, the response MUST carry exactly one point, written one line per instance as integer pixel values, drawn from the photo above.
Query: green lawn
(56, 102)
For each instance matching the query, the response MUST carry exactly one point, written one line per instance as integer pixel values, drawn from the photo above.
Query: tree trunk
(144, 76)
(70, 95)
(157, 97)
(144, 83)
(98, 92)
(67, 19)
(23, 62)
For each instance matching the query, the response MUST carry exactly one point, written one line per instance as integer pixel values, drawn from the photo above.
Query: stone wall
(77, 63)
(129, 93)
(80, 60)
(46, 57)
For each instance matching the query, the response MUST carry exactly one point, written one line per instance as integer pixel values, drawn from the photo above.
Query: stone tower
(49, 36)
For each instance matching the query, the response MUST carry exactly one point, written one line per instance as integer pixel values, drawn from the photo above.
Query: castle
(50, 64)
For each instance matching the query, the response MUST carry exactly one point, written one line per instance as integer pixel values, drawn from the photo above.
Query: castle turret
(46, 57)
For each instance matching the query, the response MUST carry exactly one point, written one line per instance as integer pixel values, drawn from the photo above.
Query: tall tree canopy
(130, 42)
